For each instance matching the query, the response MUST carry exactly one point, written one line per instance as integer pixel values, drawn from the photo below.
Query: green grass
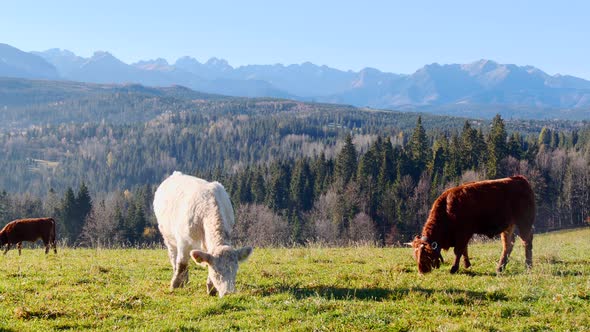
(345, 289)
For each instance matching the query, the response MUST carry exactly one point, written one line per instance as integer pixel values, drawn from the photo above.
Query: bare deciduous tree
(101, 228)
(259, 226)
(362, 230)
(322, 218)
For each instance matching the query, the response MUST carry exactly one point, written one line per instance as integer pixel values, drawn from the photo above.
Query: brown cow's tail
(52, 236)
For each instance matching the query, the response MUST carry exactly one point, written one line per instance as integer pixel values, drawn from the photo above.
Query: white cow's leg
(181, 270)
(171, 254)
(172, 257)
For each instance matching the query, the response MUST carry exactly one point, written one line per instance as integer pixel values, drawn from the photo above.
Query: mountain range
(479, 89)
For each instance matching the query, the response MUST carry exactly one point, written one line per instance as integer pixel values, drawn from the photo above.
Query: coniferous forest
(297, 172)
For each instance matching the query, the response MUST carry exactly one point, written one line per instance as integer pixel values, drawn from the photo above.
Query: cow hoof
(177, 284)
(454, 269)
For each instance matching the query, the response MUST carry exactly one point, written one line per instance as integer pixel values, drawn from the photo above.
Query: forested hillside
(297, 172)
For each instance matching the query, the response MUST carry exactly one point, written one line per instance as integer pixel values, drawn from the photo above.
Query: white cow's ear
(201, 257)
(244, 253)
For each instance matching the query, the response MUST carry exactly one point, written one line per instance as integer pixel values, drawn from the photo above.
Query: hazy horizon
(204, 60)
(392, 37)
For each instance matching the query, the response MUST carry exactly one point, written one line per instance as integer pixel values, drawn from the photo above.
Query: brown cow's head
(427, 254)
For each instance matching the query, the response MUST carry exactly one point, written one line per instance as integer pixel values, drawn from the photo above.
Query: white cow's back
(193, 211)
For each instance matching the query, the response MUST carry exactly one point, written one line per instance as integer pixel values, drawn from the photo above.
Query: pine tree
(346, 162)
(320, 175)
(452, 168)
(258, 187)
(388, 167)
(545, 137)
(515, 146)
(83, 207)
(439, 157)
(301, 187)
(480, 148)
(404, 164)
(69, 215)
(278, 191)
(469, 153)
(497, 147)
(136, 221)
(367, 165)
(244, 188)
(554, 140)
(419, 150)
(129, 221)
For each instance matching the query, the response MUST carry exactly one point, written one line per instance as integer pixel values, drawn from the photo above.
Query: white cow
(195, 218)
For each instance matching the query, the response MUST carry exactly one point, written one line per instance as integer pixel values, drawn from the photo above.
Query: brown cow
(32, 229)
(490, 208)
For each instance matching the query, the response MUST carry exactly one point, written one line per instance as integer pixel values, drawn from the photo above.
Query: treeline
(384, 194)
(219, 136)
(121, 218)
(366, 188)
(224, 135)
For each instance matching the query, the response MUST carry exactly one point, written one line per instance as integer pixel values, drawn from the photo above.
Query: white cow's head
(223, 267)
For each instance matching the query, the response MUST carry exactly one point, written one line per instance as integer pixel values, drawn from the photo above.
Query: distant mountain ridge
(16, 63)
(438, 88)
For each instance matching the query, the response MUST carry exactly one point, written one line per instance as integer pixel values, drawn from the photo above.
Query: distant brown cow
(33, 229)
(486, 207)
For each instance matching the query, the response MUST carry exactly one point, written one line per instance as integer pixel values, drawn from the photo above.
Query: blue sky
(394, 36)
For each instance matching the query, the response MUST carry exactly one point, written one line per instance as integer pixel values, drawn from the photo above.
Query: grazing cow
(485, 207)
(195, 218)
(32, 229)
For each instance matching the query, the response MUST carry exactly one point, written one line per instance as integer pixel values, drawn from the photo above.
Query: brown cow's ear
(201, 257)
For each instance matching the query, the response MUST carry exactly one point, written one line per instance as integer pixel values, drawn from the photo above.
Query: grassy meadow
(350, 289)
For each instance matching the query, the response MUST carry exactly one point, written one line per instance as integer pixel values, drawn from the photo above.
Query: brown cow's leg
(52, 238)
(460, 250)
(466, 261)
(19, 246)
(458, 253)
(7, 248)
(508, 244)
(527, 238)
